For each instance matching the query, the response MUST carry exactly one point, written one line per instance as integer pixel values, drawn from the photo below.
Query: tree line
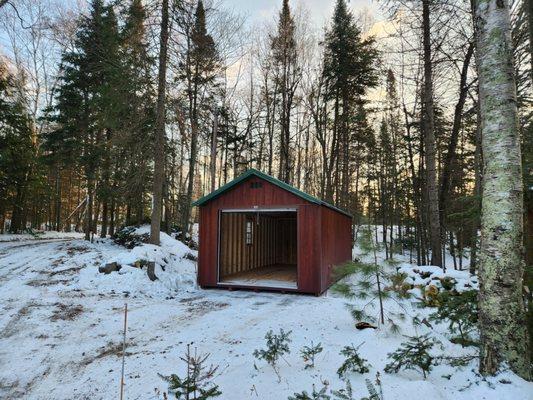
(147, 105)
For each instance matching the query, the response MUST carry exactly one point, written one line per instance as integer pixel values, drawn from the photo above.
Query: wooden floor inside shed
(275, 276)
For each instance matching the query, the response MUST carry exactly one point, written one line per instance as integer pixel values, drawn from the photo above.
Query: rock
(190, 256)
(110, 267)
(151, 271)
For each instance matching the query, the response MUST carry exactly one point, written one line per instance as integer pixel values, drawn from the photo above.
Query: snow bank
(174, 268)
(430, 274)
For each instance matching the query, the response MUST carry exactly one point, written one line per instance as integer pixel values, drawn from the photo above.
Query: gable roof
(268, 178)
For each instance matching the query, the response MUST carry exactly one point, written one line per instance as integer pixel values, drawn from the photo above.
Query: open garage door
(258, 249)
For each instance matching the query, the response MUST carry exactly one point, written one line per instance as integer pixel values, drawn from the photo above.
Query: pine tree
(276, 346)
(349, 70)
(17, 152)
(86, 100)
(201, 63)
(287, 76)
(137, 136)
(112, 109)
(413, 354)
(353, 362)
(198, 383)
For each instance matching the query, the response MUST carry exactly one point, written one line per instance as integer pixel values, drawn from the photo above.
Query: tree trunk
(449, 159)
(159, 148)
(429, 142)
(58, 200)
(89, 209)
(502, 317)
(112, 218)
(213, 164)
(105, 210)
(529, 9)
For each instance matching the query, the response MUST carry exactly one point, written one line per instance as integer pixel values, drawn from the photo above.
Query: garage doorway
(258, 248)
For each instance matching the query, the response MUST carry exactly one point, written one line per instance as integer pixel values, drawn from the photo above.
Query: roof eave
(252, 171)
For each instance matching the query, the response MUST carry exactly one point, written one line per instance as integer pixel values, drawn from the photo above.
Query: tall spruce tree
(201, 63)
(112, 108)
(17, 152)
(137, 136)
(85, 110)
(349, 69)
(287, 76)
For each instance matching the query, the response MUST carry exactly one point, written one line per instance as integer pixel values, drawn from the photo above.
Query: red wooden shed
(258, 232)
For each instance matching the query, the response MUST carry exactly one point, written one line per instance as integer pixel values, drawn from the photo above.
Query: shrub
(353, 362)
(461, 312)
(413, 354)
(128, 238)
(197, 384)
(315, 395)
(348, 394)
(309, 353)
(370, 285)
(276, 347)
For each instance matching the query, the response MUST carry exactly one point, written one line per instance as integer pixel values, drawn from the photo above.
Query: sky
(320, 10)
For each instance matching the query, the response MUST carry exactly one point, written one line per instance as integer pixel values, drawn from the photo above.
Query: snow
(40, 235)
(432, 275)
(61, 329)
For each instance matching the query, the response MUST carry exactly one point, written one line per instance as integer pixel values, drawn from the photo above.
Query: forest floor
(61, 330)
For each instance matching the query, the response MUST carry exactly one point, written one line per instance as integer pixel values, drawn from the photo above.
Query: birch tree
(502, 316)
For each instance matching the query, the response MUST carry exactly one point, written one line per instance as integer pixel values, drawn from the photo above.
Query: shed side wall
(309, 248)
(336, 243)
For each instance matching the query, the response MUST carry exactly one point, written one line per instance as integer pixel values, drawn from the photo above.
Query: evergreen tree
(287, 77)
(136, 137)
(200, 64)
(349, 70)
(17, 152)
(86, 109)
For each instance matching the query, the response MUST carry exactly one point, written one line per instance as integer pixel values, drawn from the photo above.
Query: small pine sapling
(197, 385)
(353, 362)
(374, 393)
(368, 285)
(276, 347)
(399, 286)
(461, 312)
(344, 394)
(315, 395)
(309, 353)
(413, 354)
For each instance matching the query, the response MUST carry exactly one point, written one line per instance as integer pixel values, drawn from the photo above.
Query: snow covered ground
(61, 330)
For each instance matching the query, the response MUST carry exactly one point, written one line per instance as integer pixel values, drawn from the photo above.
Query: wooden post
(123, 350)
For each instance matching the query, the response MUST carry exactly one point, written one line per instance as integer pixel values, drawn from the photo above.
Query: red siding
(336, 243)
(324, 235)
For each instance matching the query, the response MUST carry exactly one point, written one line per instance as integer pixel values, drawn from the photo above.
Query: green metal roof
(271, 179)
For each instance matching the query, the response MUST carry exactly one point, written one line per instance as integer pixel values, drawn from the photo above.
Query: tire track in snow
(22, 261)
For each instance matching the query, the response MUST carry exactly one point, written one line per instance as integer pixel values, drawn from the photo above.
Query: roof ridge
(271, 179)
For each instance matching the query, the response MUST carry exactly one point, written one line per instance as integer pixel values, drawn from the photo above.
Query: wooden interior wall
(286, 247)
(274, 242)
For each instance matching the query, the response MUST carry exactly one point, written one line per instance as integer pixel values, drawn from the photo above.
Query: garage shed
(257, 232)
